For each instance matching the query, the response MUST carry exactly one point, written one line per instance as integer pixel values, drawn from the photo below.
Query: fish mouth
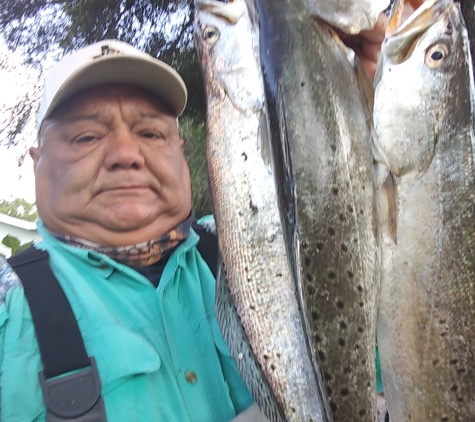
(404, 32)
(231, 11)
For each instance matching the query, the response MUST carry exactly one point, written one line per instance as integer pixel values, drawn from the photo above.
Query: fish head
(418, 95)
(223, 34)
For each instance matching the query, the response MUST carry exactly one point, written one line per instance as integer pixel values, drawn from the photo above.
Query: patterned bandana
(142, 254)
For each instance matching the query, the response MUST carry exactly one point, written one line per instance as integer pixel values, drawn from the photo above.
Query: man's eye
(86, 139)
(151, 135)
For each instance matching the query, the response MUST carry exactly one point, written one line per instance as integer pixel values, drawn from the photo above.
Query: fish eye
(436, 55)
(210, 34)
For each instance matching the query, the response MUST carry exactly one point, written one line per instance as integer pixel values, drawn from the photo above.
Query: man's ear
(35, 155)
(182, 143)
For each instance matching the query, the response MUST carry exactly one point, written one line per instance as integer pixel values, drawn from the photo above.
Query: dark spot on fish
(355, 240)
(309, 277)
(444, 419)
(331, 275)
(405, 263)
(322, 356)
(361, 304)
(342, 217)
(408, 417)
(360, 288)
(361, 212)
(302, 84)
(435, 362)
(350, 274)
(333, 147)
(304, 245)
(333, 406)
(362, 412)
(357, 346)
(252, 307)
(307, 261)
(278, 355)
(363, 187)
(315, 315)
(461, 370)
(327, 376)
(273, 367)
(347, 370)
(329, 391)
(331, 231)
(368, 384)
(278, 275)
(454, 362)
(360, 329)
(253, 207)
(335, 191)
(317, 338)
(344, 392)
(341, 342)
(343, 325)
(266, 357)
(442, 321)
(340, 304)
(244, 155)
(460, 399)
(454, 388)
(343, 247)
(350, 208)
(320, 246)
(443, 334)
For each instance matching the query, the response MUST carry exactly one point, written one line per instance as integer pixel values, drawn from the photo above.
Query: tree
(19, 208)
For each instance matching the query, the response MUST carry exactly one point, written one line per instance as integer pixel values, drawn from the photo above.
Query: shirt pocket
(120, 354)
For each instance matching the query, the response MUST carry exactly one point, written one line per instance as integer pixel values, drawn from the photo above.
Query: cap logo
(106, 50)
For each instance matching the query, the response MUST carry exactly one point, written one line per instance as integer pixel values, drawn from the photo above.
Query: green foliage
(19, 208)
(14, 244)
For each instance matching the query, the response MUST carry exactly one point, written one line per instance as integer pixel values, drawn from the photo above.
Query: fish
(350, 16)
(257, 304)
(322, 141)
(423, 119)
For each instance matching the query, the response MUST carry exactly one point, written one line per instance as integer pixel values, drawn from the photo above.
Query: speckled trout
(257, 304)
(321, 135)
(423, 116)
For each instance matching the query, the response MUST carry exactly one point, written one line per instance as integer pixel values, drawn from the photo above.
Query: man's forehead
(95, 97)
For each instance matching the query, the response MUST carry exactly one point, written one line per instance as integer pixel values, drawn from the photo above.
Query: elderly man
(111, 316)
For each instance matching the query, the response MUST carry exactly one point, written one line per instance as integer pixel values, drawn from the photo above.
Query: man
(113, 194)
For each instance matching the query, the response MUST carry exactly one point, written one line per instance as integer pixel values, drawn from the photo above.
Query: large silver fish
(259, 283)
(424, 120)
(323, 137)
(350, 16)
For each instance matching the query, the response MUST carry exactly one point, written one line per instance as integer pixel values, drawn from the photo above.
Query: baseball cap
(106, 62)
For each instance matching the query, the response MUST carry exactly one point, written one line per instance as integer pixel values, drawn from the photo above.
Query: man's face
(110, 168)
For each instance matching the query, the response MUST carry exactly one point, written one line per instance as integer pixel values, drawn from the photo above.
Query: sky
(15, 81)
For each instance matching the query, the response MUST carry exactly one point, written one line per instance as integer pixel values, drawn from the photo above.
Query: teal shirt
(159, 352)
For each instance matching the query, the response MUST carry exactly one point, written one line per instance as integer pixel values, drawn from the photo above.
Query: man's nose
(123, 150)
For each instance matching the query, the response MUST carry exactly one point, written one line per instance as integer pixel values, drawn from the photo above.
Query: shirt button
(190, 377)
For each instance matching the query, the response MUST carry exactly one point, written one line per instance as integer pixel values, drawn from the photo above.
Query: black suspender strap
(75, 397)
(208, 247)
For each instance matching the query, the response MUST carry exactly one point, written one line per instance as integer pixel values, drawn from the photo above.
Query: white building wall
(24, 231)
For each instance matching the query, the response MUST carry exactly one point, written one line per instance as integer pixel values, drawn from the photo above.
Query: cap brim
(154, 76)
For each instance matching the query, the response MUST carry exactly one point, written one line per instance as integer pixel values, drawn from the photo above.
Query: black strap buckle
(75, 397)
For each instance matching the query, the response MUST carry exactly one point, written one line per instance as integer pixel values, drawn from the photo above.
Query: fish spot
(443, 334)
(307, 261)
(340, 304)
(302, 84)
(315, 315)
(319, 246)
(347, 370)
(350, 274)
(360, 288)
(442, 321)
(333, 147)
(327, 376)
(310, 290)
(361, 304)
(435, 362)
(331, 231)
(317, 338)
(333, 406)
(350, 209)
(329, 391)
(253, 208)
(331, 275)
(344, 248)
(355, 240)
(444, 419)
(357, 346)
(266, 357)
(273, 367)
(309, 277)
(278, 355)
(343, 325)
(461, 370)
(361, 212)
(362, 412)
(252, 307)
(304, 245)
(244, 155)
(454, 362)
(342, 217)
(322, 356)
(360, 329)
(335, 191)
(454, 388)
(344, 392)
(460, 399)
(341, 342)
